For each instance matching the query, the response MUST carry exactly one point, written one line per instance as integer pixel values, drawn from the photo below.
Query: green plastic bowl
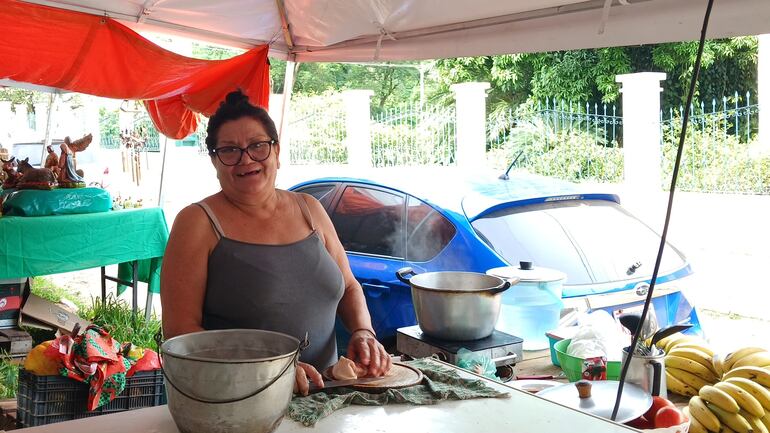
(573, 366)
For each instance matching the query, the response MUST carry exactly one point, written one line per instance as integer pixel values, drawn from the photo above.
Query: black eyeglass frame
(245, 150)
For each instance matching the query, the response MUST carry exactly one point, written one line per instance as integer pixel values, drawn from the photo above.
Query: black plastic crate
(49, 399)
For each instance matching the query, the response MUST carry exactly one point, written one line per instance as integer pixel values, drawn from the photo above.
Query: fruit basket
(49, 399)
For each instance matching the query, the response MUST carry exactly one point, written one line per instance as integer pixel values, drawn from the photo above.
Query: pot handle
(657, 372)
(403, 272)
(506, 285)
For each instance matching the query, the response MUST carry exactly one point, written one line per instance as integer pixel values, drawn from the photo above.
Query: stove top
(497, 339)
(504, 349)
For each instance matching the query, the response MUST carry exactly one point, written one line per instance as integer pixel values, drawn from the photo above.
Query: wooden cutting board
(399, 376)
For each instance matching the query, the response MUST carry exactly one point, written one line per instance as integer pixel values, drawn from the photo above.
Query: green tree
(729, 65)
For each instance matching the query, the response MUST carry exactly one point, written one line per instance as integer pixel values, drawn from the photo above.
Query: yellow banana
(755, 423)
(672, 339)
(700, 346)
(695, 425)
(692, 380)
(734, 357)
(766, 420)
(758, 391)
(661, 344)
(759, 359)
(745, 400)
(680, 340)
(720, 398)
(718, 363)
(755, 374)
(732, 420)
(693, 354)
(703, 414)
(691, 366)
(673, 384)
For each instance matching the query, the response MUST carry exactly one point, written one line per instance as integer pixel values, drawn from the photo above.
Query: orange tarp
(99, 56)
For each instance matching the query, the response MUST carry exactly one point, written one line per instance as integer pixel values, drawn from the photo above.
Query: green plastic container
(573, 366)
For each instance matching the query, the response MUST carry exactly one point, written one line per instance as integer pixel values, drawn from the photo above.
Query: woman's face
(247, 176)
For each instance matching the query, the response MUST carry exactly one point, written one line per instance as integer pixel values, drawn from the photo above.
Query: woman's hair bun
(236, 97)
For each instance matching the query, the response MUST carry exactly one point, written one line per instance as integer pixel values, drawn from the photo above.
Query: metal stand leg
(135, 293)
(104, 286)
(148, 305)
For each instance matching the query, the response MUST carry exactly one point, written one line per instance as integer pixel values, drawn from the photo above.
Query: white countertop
(522, 412)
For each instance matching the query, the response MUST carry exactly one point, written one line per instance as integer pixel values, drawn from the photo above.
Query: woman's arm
(363, 346)
(183, 275)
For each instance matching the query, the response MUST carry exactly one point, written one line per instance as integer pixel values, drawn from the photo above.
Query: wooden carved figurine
(69, 177)
(35, 178)
(52, 161)
(11, 175)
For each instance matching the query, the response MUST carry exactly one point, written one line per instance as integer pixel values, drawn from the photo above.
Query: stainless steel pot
(455, 306)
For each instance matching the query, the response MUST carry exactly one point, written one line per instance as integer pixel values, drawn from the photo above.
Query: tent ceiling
(352, 30)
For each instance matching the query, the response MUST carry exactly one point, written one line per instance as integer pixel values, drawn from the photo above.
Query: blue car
(475, 223)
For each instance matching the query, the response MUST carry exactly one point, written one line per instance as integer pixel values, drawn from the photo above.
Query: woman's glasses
(231, 155)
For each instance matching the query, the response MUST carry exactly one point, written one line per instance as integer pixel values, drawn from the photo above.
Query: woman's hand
(303, 375)
(367, 351)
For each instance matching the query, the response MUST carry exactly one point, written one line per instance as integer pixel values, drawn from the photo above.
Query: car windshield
(592, 241)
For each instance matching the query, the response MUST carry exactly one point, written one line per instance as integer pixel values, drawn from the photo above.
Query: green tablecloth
(35, 246)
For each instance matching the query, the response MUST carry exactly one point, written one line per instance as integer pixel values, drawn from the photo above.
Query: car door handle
(375, 290)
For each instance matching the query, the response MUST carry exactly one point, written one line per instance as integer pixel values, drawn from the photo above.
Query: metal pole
(48, 127)
(162, 172)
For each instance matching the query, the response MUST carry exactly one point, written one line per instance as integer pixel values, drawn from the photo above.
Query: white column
(641, 130)
(41, 117)
(21, 123)
(5, 127)
(358, 126)
(471, 132)
(763, 84)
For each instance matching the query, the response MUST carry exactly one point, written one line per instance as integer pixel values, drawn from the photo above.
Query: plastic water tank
(533, 306)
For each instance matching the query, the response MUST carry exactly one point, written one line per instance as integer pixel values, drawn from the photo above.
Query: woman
(253, 256)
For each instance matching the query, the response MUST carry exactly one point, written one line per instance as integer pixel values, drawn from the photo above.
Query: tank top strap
(212, 218)
(305, 210)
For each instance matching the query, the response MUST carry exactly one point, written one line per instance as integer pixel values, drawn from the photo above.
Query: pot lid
(601, 398)
(528, 272)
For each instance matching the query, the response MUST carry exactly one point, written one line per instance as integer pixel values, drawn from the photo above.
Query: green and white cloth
(439, 383)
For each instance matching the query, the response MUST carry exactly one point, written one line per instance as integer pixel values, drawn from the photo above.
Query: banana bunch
(689, 364)
(740, 401)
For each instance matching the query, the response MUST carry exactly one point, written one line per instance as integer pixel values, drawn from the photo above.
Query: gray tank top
(293, 288)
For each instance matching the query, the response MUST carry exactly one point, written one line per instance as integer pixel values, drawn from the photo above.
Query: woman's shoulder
(195, 215)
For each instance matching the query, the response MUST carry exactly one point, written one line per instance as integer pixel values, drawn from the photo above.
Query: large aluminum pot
(229, 381)
(457, 306)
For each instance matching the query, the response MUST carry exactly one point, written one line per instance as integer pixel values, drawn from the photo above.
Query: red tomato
(657, 403)
(668, 417)
(641, 423)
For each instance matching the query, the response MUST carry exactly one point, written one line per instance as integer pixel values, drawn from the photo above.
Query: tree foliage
(728, 65)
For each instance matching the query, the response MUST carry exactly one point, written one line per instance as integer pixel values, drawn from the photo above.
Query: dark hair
(235, 106)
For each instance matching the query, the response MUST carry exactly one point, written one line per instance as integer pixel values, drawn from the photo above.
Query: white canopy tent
(366, 30)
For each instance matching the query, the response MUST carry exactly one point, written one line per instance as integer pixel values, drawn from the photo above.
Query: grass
(116, 317)
(46, 289)
(9, 376)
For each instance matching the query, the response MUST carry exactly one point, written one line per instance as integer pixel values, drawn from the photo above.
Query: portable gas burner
(502, 348)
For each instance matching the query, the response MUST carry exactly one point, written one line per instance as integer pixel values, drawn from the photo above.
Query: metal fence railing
(579, 142)
(718, 154)
(414, 135)
(317, 130)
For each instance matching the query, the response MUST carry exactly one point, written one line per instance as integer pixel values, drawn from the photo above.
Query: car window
(370, 221)
(322, 193)
(428, 232)
(592, 241)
